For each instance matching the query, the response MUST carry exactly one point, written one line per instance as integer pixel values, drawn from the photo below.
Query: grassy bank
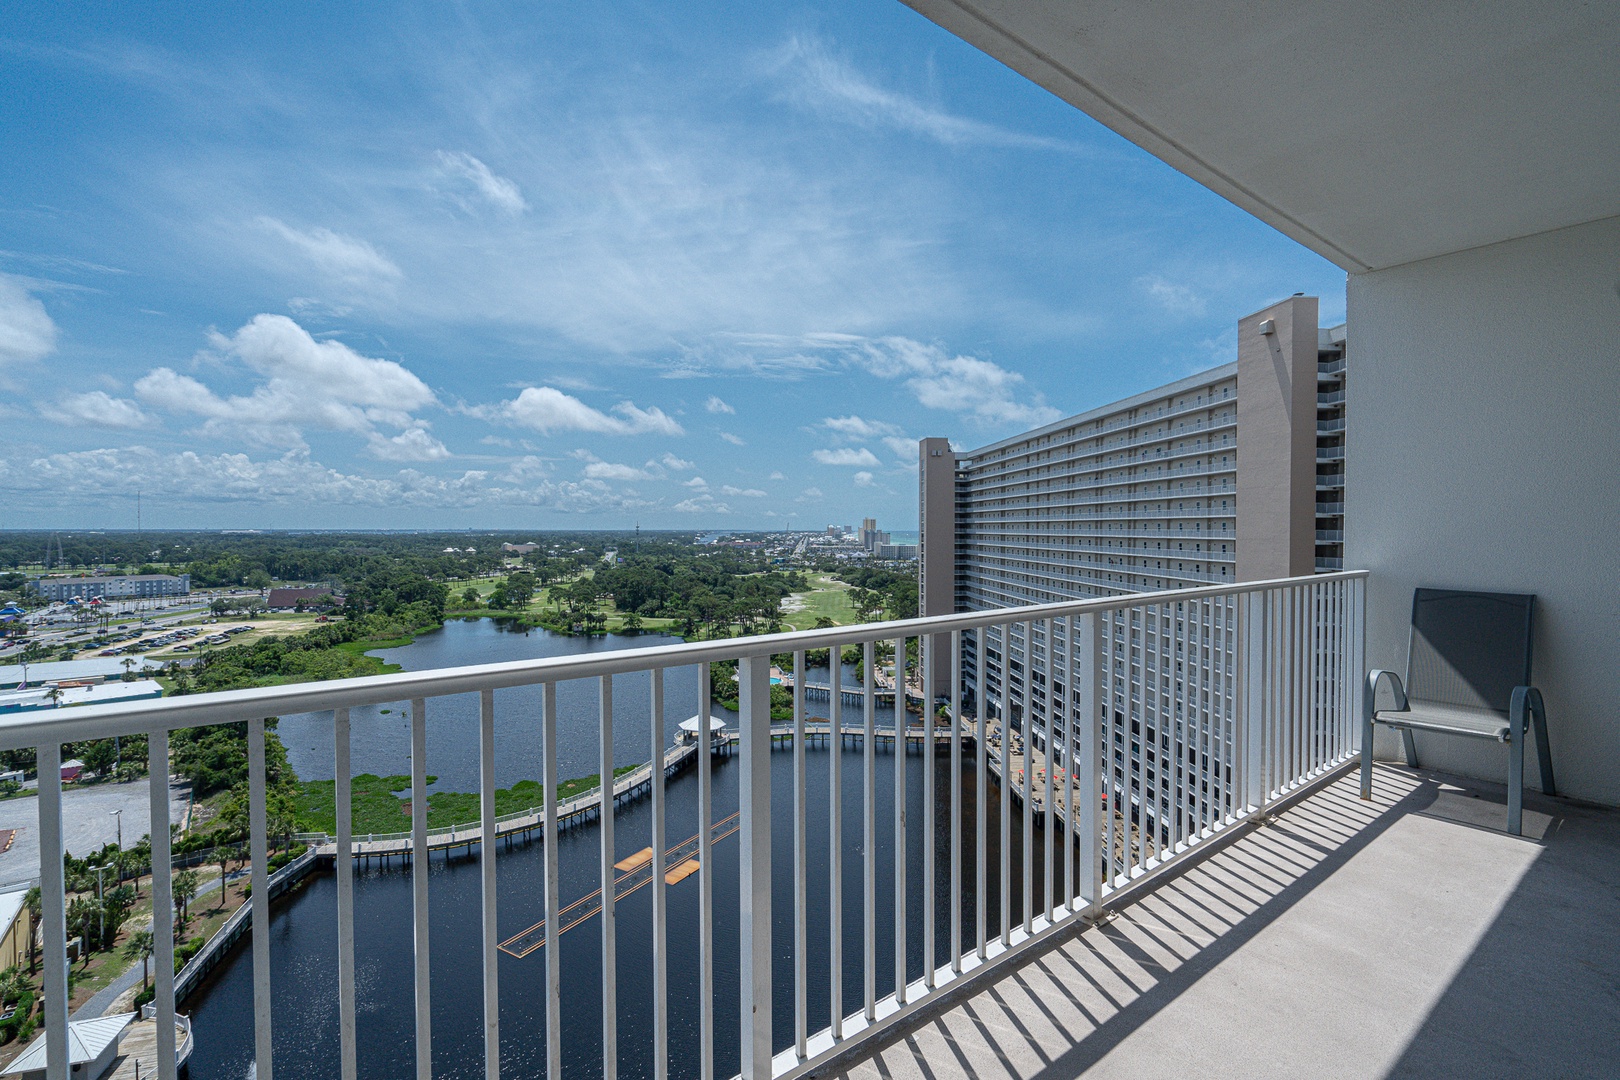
(381, 804)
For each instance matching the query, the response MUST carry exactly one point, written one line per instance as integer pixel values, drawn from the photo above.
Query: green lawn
(829, 599)
(379, 803)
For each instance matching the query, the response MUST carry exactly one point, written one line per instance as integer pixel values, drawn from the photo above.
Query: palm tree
(139, 946)
(82, 919)
(185, 886)
(34, 903)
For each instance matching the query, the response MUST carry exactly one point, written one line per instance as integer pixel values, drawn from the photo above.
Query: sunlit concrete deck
(1406, 937)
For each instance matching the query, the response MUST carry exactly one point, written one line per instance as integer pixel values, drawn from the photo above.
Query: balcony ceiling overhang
(1373, 133)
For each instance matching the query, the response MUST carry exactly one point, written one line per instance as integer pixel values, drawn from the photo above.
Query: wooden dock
(137, 1050)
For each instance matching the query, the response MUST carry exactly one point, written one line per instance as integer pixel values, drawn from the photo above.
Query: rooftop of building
(1135, 401)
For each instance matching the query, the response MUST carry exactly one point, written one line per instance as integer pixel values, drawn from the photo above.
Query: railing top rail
(198, 710)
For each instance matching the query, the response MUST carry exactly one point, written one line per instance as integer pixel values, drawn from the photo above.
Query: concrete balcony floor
(1403, 937)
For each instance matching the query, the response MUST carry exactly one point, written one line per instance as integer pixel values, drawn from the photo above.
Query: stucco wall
(1276, 442)
(1484, 426)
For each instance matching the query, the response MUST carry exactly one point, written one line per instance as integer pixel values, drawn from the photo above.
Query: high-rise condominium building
(1233, 474)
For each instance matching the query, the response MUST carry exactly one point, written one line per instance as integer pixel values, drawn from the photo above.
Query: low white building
(92, 1046)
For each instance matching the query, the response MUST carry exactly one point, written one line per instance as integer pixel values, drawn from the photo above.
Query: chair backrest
(1469, 648)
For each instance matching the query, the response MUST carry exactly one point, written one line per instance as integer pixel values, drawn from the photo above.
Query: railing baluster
(486, 867)
(1087, 758)
(419, 890)
(260, 879)
(610, 937)
(981, 808)
(1066, 711)
(835, 835)
(660, 962)
(754, 804)
(1251, 704)
(1162, 719)
(1350, 731)
(1204, 713)
(956, 794)
(801, 900)
(1006, 784)
(926, 650)
(1189, 714)
(899, 860)
(869, 826)
(344, 860)
(548, 780)
(53, 897)
(1107, 684)
(1025, 782)
(1049, 757)
(705, 881)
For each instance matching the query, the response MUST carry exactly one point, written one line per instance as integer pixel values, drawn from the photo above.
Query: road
(87, 822)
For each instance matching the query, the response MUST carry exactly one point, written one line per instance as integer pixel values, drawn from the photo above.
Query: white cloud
(675, 464)
(846, 456)
(904, 449)
(297, 482)
(27, 333)
(1175, 298)
(320, 384)
(94, 409)
(607, 470)
(734, 440)
(412, 444)
(863, 479)
(776, 476)
(546, 409)
(715, 405)
(498, 191)
(751, 493)
(854, 427)
(978, 388)
(315, 308)
(697, 483)
(701, 504)
(344, 259)
(527, 470)
(810, 493)
(814, 78)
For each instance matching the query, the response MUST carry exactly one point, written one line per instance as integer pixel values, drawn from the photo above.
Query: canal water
(303, 941)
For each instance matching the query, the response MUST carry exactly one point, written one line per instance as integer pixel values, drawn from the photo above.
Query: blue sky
(567, 266)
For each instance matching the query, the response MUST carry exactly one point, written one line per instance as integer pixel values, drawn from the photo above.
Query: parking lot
(88, 823)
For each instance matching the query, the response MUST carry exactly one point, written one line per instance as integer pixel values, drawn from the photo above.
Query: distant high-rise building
(871, 537)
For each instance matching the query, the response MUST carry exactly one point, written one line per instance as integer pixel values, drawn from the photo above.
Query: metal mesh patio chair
(1467, 674)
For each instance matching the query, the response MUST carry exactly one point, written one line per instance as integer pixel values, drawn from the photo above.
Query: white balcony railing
(1161, 719)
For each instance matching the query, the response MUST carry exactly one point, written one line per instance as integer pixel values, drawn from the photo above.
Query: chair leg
(1366, 757)
(1411, 748)
(1538, 719)
(1515, 824)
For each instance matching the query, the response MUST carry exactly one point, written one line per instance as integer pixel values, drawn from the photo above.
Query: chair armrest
(1526, 702)
(1376, 676)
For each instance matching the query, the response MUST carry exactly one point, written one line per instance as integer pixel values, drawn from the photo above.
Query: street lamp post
(119, 816)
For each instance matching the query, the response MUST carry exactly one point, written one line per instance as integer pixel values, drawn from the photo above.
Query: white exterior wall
(1485, 422)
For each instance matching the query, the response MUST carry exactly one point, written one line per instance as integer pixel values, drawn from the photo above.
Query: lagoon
(304, 935)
